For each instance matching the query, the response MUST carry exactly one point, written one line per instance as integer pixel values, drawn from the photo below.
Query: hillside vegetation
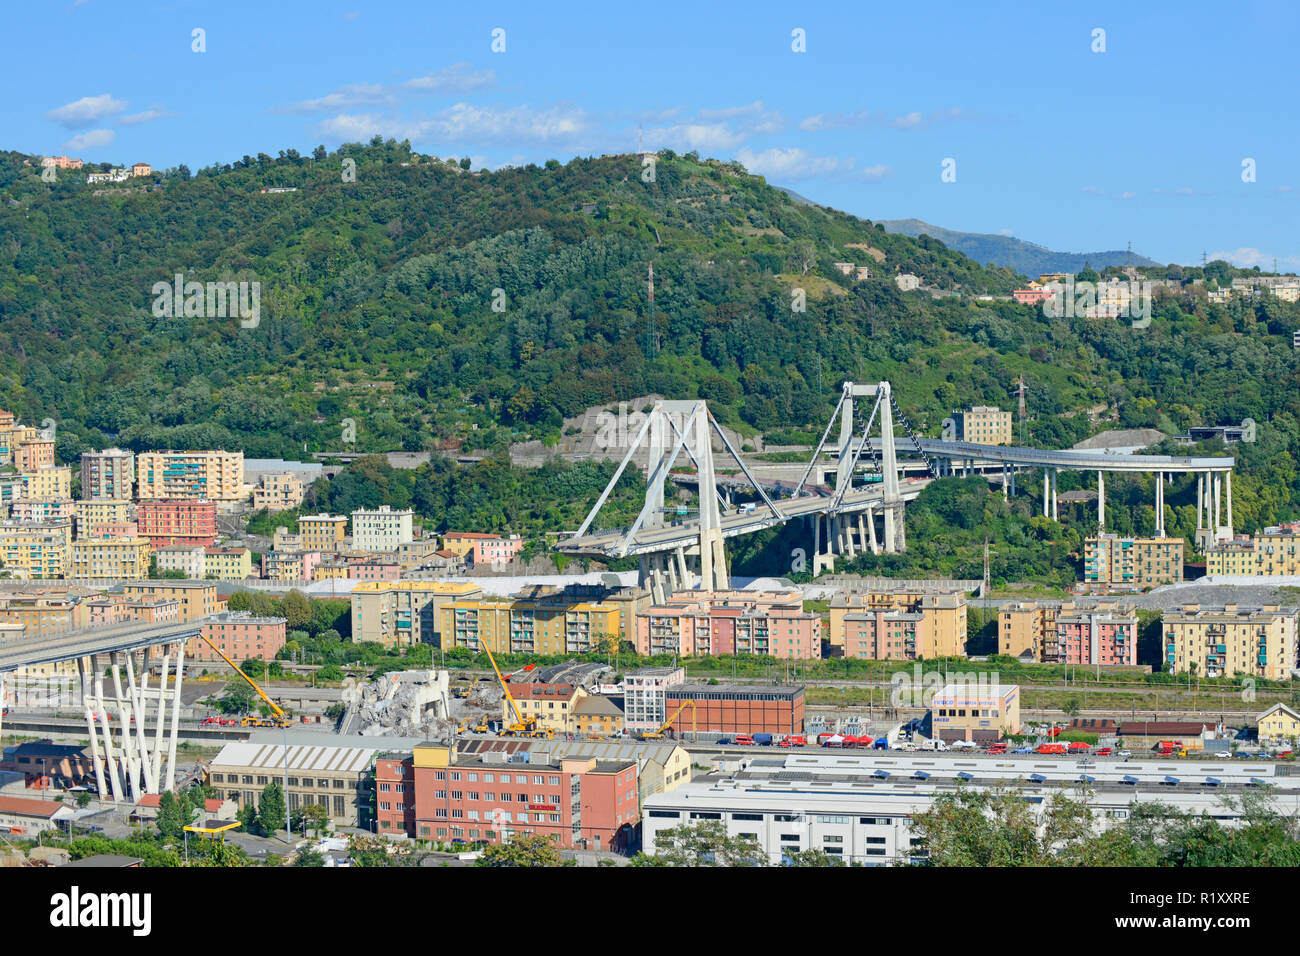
(377, 304)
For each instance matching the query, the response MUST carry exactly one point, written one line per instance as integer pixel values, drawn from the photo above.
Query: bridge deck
(671, 536)
(69, 645)
(1069, 459)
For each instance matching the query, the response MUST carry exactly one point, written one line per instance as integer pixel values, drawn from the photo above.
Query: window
(666, 814)
(383, 788)
(472, 778)
(507, 797)
(875, 839)
(440, 794)
(339, 784)
(458, 794)
(702, 815)
(489, 796)
(489, 778)
(322, 783)
(555, 781)
(832, 839)
(384, 805)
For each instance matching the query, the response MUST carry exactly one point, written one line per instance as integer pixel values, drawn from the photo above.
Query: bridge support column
(1012, 469)
(862, 533)
(1200, 499)
(2, 707)
(1101, 501)
(1054, 517)
(1216, 495)
(170, 782)
(651, 576)
(162, 715)
(1229, 481)
(86, 697)
(683, 572)
(1047, 480)
(1006, 481)
(125, 713)
(871, 530)
(110, 760)
(1160, 504)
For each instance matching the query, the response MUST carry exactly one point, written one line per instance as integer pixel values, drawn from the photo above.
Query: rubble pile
(401, 703)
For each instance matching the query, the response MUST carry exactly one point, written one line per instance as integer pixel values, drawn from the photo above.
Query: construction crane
(281, 719)
(659, 734)
(523, 726)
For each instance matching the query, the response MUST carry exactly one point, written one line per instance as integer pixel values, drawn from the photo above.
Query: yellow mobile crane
(281, 719)
(523, 726)
(659, 734)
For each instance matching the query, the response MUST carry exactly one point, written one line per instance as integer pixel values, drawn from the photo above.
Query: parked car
(996, 749)
(1023, 750)
(723, 741)
(1123, 753)
(1104, 751)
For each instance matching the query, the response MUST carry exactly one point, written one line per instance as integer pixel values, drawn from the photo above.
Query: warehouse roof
(316, 759)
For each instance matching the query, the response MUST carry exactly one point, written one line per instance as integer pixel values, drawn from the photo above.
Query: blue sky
(1055, 143)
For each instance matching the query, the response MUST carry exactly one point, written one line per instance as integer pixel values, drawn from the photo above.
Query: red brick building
(579, 803)
(178, 522)
(241, 636)
(727, 709)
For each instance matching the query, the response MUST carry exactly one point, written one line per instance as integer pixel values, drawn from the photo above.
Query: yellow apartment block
(551, 705)
(1134, 562)
(1227, 640)
(198, 599)
(1026, 627)
(402, 613)
(1275, 551)
(321, 532)
(101, 511)
(35, 550)
(192, 475)
(110, 558)
(48, 482)
(526, 627)
(278, 492)
(944, 613)
(984, 425)
(227, 564)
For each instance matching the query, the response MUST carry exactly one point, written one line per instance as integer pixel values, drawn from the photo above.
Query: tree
(172, 816)
(536, 850)
(270, 810)
(812, 857)
(706, 844)
(238, 697)
(308, 856)
(311, 816)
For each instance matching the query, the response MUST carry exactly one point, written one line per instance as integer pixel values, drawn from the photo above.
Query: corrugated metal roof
(313, 758)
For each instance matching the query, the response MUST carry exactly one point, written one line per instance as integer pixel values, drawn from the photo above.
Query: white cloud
(791, 164)
(820, 122)
(91, 139)
(86, 111)
(144, 116)
(459, 78)
(1106, 194)
(1248, 257)
(463, 125)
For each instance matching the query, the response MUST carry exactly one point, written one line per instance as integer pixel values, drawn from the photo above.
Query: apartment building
(190, 475)
(402, 613)
(630, 601)
(524, 626)
(33, 454)
(382, 529)
(61, 162)
(108, 474)
(241, 637)
(289, 565)
(92, 513)
(576, 802)
(109, 559)
(37, 551)
(595, 715)
(1024, 628)
(188, 559)
(322, 532)
(1274, 552)
(46, 611)
(1227, 640)
(178, 522)
(1105, 634)
(198, 599)
(12, 435)
(227, 564)
(983, 425)
(483, 549)
(1109, 559)
(48, 481)
(278, 492)
(42, 510)
(644, 695)
(709, 623)
(118, 608)
(941, 633)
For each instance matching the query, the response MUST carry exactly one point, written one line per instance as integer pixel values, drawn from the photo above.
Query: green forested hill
(377, 305)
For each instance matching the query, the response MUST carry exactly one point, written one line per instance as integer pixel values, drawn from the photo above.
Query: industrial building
(734, 709)
(860, 807)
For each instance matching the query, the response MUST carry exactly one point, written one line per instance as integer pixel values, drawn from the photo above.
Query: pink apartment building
(709, 623)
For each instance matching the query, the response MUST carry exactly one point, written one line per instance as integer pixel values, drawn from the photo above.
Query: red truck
(744, 740)
(1168, 748)
(793, 741)
(1050, 749)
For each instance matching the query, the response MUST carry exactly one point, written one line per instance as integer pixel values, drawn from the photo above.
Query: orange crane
(658, 734)
(281, 719)
(523, 726)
